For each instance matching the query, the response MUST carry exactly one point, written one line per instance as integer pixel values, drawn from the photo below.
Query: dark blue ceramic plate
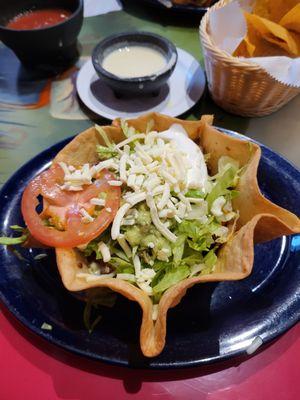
(213, 322)
(177, 8)
(180, 9)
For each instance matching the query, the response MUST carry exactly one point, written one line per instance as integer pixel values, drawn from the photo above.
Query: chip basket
(240, 87)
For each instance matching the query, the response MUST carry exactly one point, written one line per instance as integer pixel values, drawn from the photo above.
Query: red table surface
(33, 369)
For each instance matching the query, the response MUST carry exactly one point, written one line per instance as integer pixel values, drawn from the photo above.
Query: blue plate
(180, 9)
(213, 322)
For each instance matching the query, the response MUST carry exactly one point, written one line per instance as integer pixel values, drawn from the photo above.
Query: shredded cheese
(156, 221)
(131, 180)
(115, 229)
(126, 277)
(124, 245)
(168, 177)
(217, 205)
(136, 198)
(93, 278)
(177, 219)
(130, 139)
(115, 183)
(185, 201)
(122, 167)
(86, 217)
(97, 202)
(110, 164)
(165, 197)
(46, 327)
(104, 250)
(137, 264)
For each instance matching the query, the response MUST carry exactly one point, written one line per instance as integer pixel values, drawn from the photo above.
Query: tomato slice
(66, 206)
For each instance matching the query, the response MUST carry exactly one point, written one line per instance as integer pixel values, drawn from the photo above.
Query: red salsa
(38, 18)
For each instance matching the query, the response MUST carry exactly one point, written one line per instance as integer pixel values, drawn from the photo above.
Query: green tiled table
(36, 114)
(27, 129)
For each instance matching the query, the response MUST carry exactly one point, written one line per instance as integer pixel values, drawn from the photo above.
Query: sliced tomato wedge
(65, 206)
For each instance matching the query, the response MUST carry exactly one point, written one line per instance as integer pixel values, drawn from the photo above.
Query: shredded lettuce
(233, 194)
(223, 183)
(195, 193)
(202, 244)
(119, 253)
(200, 238)
(104, 136)
(9, 241)
(18, 228)
(196, 230)
(160, 267)
(178, 249)
(171, 277)
(150, 125)
(193, 257)
(127, 130)
(92, 248)
(105, 153)
(121, 266)
(226, 162)
(210, 259)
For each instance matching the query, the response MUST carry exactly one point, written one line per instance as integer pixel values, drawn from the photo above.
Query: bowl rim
(143, 78)
(74, 14)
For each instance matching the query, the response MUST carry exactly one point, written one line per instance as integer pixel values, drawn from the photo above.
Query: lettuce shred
(127, 130)
(105, 153)
(9, 241)
(172, 276)
(223, 185)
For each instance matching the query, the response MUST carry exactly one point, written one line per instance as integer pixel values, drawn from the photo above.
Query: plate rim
(124, 363)
(187, 8)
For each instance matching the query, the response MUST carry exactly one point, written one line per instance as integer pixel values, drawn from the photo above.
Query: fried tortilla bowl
(259, 221)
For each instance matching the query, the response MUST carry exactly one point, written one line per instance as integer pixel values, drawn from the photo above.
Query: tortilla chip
(262, 8)
(245, 49)
(260, 220)
(254, 45)
(273, 10)
(291, 20)
(275, 34)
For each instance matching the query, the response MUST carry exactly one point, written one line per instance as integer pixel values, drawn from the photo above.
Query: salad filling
(148, 212)
(173, 216)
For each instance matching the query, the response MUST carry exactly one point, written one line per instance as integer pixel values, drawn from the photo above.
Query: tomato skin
(76, 231)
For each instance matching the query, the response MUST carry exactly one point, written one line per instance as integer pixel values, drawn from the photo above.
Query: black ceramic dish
(135, 86)
(49, 49)
(213, 322)
(178, 9)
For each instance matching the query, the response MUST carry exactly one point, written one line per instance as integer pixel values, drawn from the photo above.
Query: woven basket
(240, 87)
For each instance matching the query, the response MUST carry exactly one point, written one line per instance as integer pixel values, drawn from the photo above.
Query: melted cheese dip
(134, 61)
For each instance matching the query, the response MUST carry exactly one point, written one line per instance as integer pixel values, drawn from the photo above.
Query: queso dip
(134, 61)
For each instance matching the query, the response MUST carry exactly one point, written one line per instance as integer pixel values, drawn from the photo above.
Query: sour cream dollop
(197, 175)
